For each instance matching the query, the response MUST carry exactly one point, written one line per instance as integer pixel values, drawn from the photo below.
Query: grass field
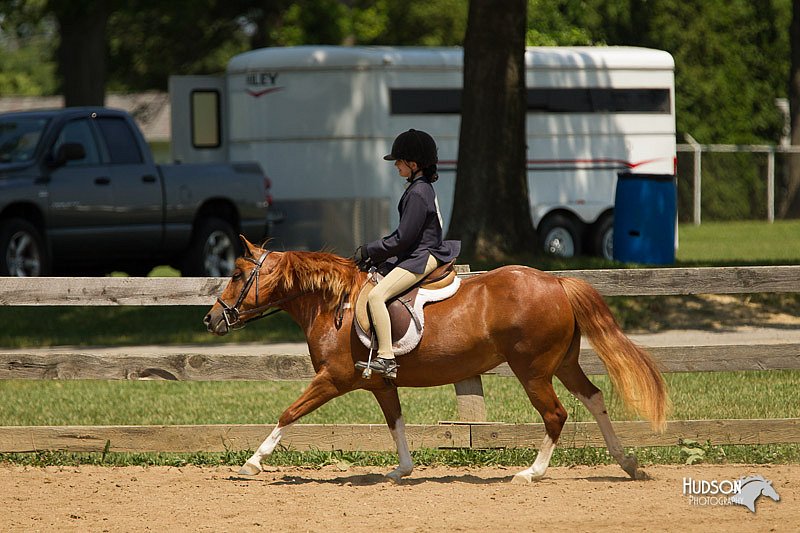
(695, 396)
(741, 243)
(769, 394)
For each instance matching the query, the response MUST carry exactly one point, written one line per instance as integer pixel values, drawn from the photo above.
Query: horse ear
(248, 247)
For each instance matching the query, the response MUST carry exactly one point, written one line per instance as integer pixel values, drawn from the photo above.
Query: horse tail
(632, 369)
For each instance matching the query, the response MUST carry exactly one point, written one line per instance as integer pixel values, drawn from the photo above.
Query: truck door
(137, 218)
(80, 197)
(198, 130)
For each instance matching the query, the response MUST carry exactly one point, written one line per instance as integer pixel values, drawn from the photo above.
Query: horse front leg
(389, 402)
(319, 391)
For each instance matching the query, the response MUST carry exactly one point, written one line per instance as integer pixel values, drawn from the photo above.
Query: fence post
(771, 185)
(470, 401)
(697, 148)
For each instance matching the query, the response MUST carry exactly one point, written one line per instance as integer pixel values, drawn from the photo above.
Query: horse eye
(237, 275)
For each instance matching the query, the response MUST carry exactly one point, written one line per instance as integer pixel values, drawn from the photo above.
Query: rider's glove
(362, 259)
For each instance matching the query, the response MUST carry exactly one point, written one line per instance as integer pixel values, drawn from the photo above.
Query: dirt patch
(581, 498)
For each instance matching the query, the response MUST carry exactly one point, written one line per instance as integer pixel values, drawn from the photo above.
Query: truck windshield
(19, 137)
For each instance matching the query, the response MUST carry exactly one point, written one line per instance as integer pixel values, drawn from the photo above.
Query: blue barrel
(645, 210)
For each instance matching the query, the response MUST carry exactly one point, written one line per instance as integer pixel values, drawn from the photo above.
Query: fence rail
(203, 291)
(470, 431)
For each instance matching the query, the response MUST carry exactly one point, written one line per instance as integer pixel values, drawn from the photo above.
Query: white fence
(769, 150)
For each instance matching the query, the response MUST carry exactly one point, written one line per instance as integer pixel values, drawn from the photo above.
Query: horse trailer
(319, 119)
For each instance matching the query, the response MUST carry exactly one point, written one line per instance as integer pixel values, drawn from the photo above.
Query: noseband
(231, 314)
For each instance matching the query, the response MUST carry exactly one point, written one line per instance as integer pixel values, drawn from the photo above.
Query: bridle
(231, 313)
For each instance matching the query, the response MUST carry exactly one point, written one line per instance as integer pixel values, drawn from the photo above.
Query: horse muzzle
(215, 323)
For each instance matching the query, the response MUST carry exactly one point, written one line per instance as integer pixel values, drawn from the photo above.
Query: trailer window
(205, 114)
(540, 100)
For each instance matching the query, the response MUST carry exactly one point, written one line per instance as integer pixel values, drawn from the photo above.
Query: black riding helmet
(414, 145)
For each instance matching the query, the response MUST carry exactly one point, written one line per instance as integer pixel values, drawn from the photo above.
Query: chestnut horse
(530, 319)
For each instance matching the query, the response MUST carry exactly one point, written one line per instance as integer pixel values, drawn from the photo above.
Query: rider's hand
(361, 258)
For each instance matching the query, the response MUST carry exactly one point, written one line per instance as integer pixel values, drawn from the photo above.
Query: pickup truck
(80, 194)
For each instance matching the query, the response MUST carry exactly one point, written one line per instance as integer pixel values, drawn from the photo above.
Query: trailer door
(199, 134)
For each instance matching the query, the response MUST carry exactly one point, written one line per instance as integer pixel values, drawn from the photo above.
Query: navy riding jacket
(419, 234)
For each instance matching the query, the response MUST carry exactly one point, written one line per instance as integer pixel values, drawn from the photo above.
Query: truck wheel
(559, 236)
(603, 237)
(22, 250)
(213, 251)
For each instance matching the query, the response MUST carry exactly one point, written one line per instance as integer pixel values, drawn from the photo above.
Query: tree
(491, 214)
(82, 52)
(789, 203)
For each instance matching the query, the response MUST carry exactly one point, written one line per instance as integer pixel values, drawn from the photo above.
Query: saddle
(406, 308)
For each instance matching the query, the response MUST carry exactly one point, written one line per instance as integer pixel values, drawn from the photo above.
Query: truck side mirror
(68, 152)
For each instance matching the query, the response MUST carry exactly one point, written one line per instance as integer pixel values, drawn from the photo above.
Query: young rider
(416, 244)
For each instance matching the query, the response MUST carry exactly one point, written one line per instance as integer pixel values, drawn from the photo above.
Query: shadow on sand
(357, 480)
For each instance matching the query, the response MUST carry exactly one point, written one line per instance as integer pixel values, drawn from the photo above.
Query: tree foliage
(149, 40)
(732, 57)
(27, 49)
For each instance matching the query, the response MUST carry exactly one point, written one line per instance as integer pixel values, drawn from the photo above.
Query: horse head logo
(752, 488)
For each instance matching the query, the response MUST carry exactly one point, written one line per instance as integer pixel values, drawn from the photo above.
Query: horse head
(247, 295)
(752, 487)
(769, 491)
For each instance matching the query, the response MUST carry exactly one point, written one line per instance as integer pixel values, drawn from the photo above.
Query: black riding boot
(381, 366)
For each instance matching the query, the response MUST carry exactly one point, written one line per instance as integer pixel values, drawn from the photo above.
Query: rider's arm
(412, 221)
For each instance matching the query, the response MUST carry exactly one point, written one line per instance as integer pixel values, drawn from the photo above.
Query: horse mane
(335, 276)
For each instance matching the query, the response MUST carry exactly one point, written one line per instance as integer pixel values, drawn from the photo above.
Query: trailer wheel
(213, 251)
(603, 237)
(22, 250)
(559, 235)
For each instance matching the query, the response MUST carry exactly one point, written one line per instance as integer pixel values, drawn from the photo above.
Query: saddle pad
(408, 339)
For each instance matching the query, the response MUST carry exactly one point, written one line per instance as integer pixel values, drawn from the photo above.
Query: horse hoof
(527, 476)
(249, 469)
(631, 466)
(395, 475)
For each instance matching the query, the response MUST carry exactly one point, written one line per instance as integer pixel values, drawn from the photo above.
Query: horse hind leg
(575, 380)
(389, 402)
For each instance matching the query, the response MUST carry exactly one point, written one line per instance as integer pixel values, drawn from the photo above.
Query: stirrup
(384, 367)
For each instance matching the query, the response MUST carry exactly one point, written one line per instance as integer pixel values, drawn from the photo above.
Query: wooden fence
(470, 431)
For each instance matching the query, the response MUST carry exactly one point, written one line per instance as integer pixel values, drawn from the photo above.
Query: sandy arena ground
(575, 499)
